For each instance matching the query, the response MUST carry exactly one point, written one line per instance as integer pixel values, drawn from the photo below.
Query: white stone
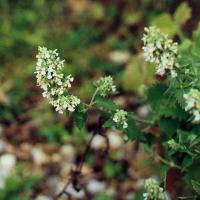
(143, 111)
(43, 197)
(119, 57)
(78, 195)
(68, 152)
(7, 164)
(2, 146)
(38, 156)
(7, 161)
(95, 186)
(97, 142)
(115, 139)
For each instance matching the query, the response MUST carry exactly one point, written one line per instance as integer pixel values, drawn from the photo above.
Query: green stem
(188, 197)
(89, 106)
(169, 163)
(142, 120)
(91, 101)
(93, 97)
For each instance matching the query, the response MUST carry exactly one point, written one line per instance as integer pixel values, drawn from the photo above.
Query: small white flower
(153, 191)
(192, 99)
(50, 77)
(120, 118)
(160, 50)
(105, 86)
(173, 144)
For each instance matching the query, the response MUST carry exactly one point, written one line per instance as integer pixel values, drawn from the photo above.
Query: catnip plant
(174, 100)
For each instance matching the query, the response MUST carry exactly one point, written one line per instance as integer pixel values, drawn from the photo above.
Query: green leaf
(196, 186)
(168, 126)
(132, 131)
(80, 119)
(108, 123)
(166, 24)
(134, 75)
(105, 104)
(164, 105)
(102, 196)
(182, 14)
(114, 169)
(179, 97)
(187, 161)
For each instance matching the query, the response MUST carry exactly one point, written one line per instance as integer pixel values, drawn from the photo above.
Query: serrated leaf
(166, 24)
(105, 104)
(168, 126)
(179, 97)
(196, 186)
(182, 14)
(80, 119)
(132, 131)
(108, 123)
(164, 105)
(187, 161)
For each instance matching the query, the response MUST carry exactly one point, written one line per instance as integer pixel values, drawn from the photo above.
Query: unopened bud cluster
(50, 77)
(120, 118)
(153, 191)
(160, 50)
(105, 86)
(192, 99)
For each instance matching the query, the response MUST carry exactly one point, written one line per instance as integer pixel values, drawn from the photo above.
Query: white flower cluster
(173, 144)
(105, 86)
(160, 50)
(192, 99)
(120, 118)
(153, 191)
(50, 77)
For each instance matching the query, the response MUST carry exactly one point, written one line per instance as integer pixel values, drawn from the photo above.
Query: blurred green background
(95, 37)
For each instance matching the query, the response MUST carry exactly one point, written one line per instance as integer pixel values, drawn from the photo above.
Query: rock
(119, 57)
(7, 161)
(95, 186)
(130, 196)
(68, 152)
(56, 158)
(2, 146)
(7, 164)
(143, 111)
(77, 195)
(43, 197)
(38, 156)
(1, 128)
(139, 184)
(115, 140)
(97, 142)
(65, 168)
(55, 185)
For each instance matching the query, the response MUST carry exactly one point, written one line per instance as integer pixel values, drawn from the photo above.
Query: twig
(79, 167)
(106, 150)
(75, 174)
(63, 191)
